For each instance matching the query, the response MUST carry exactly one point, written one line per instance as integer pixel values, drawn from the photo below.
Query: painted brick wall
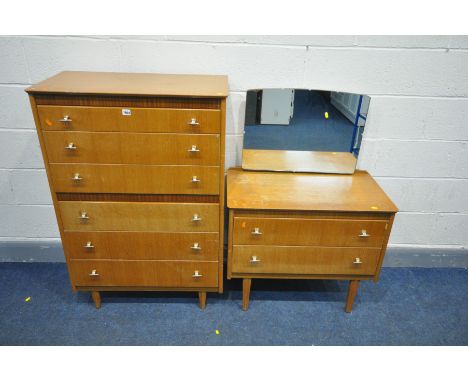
(416, 139)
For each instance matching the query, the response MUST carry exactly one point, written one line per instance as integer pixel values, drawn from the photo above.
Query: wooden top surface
(305, 192)
(137, 84)
(299, 161)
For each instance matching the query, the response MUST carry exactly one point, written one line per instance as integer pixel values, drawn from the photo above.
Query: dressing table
(312, 216)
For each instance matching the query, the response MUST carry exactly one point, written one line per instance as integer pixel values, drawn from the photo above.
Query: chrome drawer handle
(193, 122)
(254, 259)
(77, 177)
(66, 118)
(364, 233)
(196, 247)
(257, 231)
(94, 273)
(194, 149)
(196, 218)
(197, 274)
(84, 215)
(88, 245)
(195, 179)
(357, 261)
(70, 146)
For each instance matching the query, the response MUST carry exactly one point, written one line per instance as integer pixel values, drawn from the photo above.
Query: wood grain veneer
(125, 148)
(135, 179)
(140, 120)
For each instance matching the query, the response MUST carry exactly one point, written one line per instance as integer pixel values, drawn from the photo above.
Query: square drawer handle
(77, 177)
(256, 231)
(364, 233)
(88, 245)
(65, 119)
(84, 215)
(195, 179)
(357, 261)
(254, 260)
(194, 149)
(197, 274)
(195, 247)
(196, 218)
(193, 122)
(70, 146)
(94, 273)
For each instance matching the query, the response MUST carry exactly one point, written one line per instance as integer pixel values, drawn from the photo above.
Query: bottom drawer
(304, 260)
(134, 273)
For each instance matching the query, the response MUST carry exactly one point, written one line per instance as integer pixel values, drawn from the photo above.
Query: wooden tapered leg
(96, 298)
(202, 300)
(352, 291)
(246, 283)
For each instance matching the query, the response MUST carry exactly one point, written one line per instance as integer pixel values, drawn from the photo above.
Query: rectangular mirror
(303, 130)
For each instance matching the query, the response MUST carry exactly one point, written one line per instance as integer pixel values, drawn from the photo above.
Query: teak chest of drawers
(306, 226)
(135, 164)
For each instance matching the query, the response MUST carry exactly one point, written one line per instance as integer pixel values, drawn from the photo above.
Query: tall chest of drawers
(135, 164)
(306, 226)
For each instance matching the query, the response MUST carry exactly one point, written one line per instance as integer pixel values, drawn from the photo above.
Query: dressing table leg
(352, 291)
(96, 298)
(202, 300)
(246, 283)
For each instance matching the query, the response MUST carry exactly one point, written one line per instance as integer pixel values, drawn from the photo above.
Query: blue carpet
(409, 306)
(308, 129)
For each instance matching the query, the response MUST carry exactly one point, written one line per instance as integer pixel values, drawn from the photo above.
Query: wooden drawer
(148, 273)
(132, 148)
(135, 179)
(304, 260)
(141, 120)
(314, 232)
(141, 246)
(139, 216)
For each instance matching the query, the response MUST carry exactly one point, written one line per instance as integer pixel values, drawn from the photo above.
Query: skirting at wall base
(51, 251)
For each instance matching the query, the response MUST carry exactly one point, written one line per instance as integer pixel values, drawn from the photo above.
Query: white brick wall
(416, 139)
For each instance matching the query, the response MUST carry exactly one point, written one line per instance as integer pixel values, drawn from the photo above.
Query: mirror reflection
(326, 126)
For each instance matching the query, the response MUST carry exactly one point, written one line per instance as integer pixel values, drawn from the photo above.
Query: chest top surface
(134, 84)
(307, 192)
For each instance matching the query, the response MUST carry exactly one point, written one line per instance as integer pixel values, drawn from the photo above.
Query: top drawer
(309, 232)
(133, 119)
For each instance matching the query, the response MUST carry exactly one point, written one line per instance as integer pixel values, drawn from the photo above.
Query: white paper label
(126, 112)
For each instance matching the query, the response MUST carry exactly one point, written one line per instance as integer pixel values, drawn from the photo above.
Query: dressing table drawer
(142, 245)
(128, 273)
(140, 216)
(132, 119)
(126, 148)
(307, 231)
(135, 179)
(304, 260)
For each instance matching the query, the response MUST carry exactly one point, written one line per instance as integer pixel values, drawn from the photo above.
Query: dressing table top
(262, 190)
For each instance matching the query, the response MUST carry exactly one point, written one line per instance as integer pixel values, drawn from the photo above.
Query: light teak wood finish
(135, 179)
(135, 164)
(125, 148)
(312, 226)
(298, 161)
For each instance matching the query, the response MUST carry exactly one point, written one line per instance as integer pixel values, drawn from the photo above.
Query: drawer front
(138, 216)
(135, 179)
(149, 273)
(132, 148)
(141, 120)
(319, 232)
(304, 260)
(141, 246)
